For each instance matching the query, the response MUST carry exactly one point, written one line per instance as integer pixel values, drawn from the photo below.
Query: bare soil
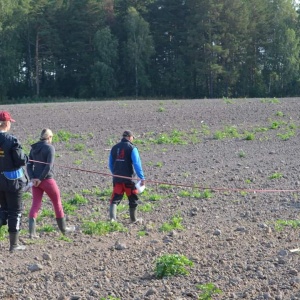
(232, 237)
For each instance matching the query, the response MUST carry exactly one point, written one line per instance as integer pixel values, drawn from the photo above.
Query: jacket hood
(37, 147)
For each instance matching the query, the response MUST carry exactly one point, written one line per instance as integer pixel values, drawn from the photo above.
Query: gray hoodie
(42, 153)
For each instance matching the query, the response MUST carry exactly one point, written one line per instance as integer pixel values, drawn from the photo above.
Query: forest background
(101, 49)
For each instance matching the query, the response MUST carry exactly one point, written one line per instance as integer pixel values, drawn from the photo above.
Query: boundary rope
(178, 184)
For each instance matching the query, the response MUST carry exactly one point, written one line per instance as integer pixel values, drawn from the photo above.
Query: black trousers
(119, 189)
(11, 206)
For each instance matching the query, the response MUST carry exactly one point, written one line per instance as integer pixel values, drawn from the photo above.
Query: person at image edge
(12, 181)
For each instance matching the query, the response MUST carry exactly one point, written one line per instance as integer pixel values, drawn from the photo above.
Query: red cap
(5, 116)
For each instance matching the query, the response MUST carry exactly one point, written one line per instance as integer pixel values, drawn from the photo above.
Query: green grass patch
(91, 152)
(72, 204)
(184, 193)
(175, 223)
(165, 186)
(47, 228)
(249, 136)
(279, 114)
(68, 207)
(79, 147)
(287, 135)
(275, 175)
(205, 130)
(3, 232)
(141, 233)
(174, 138)
(261, 129)
(270, 100)
(26, 196)
(122, 207)
(102, 228)
(154, 197)
(242, 154)
(292, 126)
(159, 164)
(206, 194)
(196, 194)
(172, 265)
(64, 136)
(65, 239)
(103, 194)
(86, 192)
(208, 290)
(228, 132)
(147, 207)
(78, 200)
(279, 224)
(277, 124)
(45, 213)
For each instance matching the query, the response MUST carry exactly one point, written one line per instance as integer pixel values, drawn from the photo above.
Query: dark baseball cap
(5, 116)
(128, 133)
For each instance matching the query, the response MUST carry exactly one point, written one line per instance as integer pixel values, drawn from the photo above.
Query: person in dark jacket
(124, 163)
(12, 181)
(40, 169)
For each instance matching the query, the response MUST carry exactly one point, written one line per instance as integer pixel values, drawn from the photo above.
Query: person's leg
(116, 197)
(14, 208)
(32, 228)
(37, 196)
(3, 209)
(131, 193)
(51, 189)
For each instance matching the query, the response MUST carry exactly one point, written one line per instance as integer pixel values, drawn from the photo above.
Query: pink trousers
(48, 186)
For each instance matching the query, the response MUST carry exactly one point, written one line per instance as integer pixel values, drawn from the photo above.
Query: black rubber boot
(113, 212)
(132, 214)
(32, 230)
(61, 222)
(133, 218)
(13, 240)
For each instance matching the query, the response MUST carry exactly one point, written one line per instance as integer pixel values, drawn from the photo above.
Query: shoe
(17, 248)
(14, 242)
(61, 222)
(138, 221)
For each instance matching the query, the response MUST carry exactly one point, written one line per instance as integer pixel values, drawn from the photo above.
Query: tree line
(149, 48)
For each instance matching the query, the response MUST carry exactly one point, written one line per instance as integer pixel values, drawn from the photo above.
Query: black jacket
(43, 153)
(121, 162)
(12, 158)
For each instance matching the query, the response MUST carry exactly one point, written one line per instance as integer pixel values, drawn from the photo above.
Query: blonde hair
(45, 134)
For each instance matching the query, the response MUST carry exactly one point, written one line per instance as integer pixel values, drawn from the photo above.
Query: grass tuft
(175, 223)
(102, 228)
(172, 265)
